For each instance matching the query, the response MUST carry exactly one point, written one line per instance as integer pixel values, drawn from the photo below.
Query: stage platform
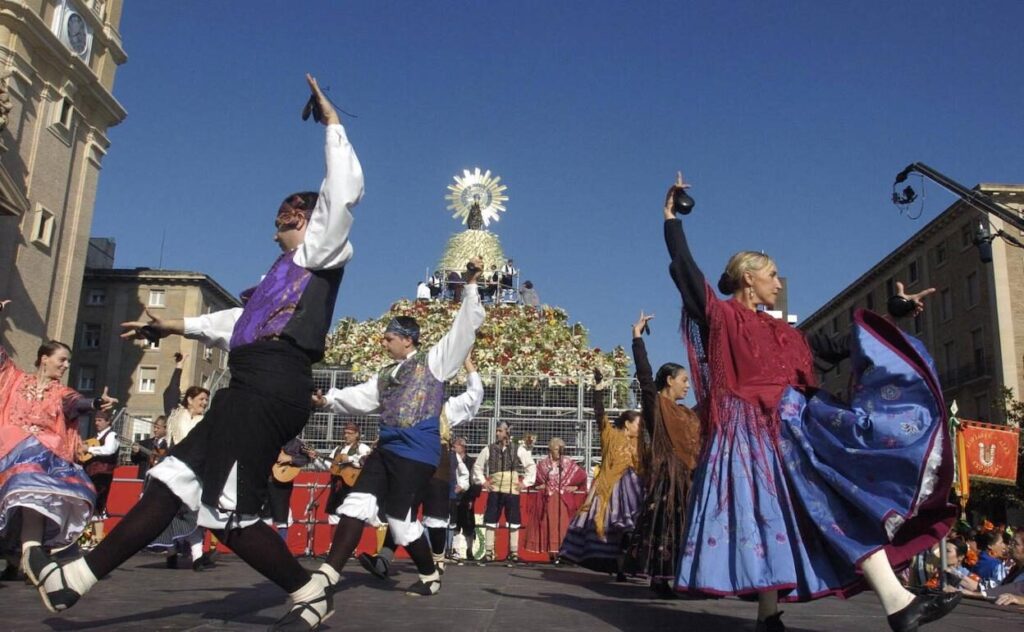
(143, 595)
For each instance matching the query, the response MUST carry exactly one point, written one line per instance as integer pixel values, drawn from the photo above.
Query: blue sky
(789, 118)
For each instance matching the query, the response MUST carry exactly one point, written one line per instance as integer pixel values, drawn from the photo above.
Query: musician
(100, 458)
(279, 493)
(348, 456)
(148, 452)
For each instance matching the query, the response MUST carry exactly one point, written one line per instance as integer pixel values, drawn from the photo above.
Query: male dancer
(499, 460)
(221, 467)
(409, 395)
(436, 498)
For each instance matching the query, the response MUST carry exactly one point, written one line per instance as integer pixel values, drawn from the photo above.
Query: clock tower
(58, 59)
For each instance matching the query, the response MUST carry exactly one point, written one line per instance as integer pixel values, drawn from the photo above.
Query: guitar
(348, 472)
(154, 454)
(283, 471)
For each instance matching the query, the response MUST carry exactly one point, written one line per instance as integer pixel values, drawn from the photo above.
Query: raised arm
(326, 244)
(644, 375)
(598, 396)
(172, 394)
(683, 269)
(445, 357)
(462, 408)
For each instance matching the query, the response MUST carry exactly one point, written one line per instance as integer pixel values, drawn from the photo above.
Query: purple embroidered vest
(412, 395)
(292, 303)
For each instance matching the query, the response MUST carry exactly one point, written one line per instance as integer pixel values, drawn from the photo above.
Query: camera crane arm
(977, 199)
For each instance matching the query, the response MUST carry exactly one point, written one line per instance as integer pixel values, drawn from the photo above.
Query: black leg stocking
(261, 548)
(346, 539)
(419, 551)
(146, 520)
(438, 540)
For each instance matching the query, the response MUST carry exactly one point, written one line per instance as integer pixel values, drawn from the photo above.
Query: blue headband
(395, 327)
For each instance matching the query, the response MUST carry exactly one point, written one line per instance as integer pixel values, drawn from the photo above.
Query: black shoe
(198, 566)
(171, 561)
(923, 609)
(771, 624)
(41, 567)
(293, 621)
(663, 589)
(511, 560)
(375, 565)
(620, 577)
(424, 589)
(485, 560)
(206, 559)
(12, 573)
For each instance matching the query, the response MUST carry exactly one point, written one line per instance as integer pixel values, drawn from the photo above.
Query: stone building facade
(974, 323)
(58, 59)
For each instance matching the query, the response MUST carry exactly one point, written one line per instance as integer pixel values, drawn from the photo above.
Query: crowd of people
(498, 286)
(753, 493)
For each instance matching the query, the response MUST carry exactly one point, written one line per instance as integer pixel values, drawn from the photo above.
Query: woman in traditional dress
(599, 534)
(184, 533)
(555, 501)
(45, 497)
(797, 494)
(675, 445)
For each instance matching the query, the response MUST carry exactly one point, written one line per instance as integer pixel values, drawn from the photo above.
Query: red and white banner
(991, 452)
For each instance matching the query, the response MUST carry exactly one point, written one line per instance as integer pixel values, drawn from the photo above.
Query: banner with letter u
(991, 452)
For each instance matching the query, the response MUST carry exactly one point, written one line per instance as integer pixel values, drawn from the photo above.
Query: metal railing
(542, 405)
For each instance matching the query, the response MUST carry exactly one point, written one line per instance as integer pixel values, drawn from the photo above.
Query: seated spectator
(529, 295)
(422, 291)
(991, 569)
(1011, 591)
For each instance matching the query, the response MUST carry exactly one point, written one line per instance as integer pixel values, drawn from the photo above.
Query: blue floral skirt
(33, 477)
(582, 545)
(798, 509)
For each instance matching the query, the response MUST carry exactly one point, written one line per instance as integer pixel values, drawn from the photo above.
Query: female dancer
(797, 493)
(556, 500)
(184, 532)
(42, 488)
(675, 445)
(598, 535)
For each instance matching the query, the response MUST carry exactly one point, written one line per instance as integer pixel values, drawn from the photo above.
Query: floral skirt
(33, 477)
(797, 509)
(582, 544)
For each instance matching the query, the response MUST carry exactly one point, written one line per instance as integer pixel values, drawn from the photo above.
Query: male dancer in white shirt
(409, 394)
(436, 498)
(221, 467)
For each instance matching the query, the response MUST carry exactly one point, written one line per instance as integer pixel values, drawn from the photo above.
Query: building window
(65, 114)
(945, 305)
(940, 254)
(914, 272)
(835, 324)
(42, 228)
(849, 313)
(96, 297)
(973, 294)
(869, 301)
(919, 324)
(949, 356)
(86, 379)
(90, 337)
(207, 352)
(157, 298)
(153, 345)
(223, 360)
(205, 382)
(978, 347)
(147, 379)
(966, 236)
(981, 407)
(890, 288)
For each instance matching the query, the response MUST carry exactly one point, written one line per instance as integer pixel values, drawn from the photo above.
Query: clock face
(78, 37)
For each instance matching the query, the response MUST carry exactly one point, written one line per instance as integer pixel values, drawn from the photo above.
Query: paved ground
(143, 595)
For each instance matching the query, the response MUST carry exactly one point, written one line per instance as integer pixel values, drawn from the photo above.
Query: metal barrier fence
(531, 404)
